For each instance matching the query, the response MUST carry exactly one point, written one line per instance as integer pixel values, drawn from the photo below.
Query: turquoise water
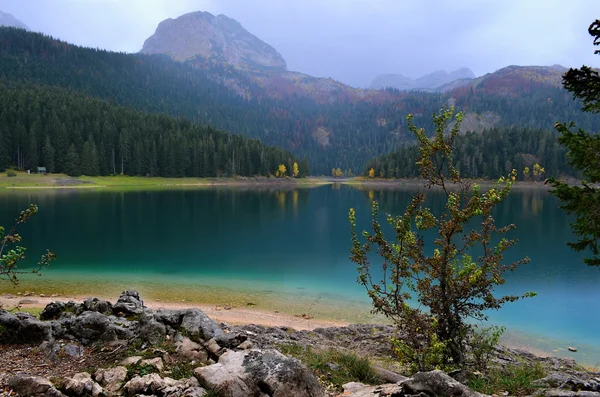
(290, 246)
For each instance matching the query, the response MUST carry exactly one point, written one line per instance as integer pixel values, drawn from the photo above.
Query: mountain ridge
(213, 37)
(9, 20)
(429, 82)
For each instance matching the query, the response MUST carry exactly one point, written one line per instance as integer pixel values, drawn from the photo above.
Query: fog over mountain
(352, 41)
(9, 20)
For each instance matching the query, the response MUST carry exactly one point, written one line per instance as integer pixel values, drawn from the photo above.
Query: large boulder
(22, 328)
(128, 304)
(197, 325)
(33, 386)
(254, 373)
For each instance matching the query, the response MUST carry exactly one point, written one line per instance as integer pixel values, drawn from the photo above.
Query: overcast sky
(349, 40)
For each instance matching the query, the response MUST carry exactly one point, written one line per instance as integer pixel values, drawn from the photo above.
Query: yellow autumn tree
(526, 172)
(339, 172)
(296, 170)
(280, 173)
(538, 170)
(372, 173)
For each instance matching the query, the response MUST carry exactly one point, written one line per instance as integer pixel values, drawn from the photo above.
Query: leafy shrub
(11, 174)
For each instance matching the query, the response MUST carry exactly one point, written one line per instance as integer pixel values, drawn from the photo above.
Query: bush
(514, 379)
(333, 366)
(11, 174)
(453, 284)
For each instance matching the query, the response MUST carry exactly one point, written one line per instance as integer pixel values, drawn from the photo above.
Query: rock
(33, 386)
(213, 347)
(23, 328)
(254, 372)
(152, 331)
(169, 317)
(128, 304)
(131, 360)
(231, 340)
(82, 384)
(355, 389)
(245, 345)
(112, 378)
(566, 381)
(156, 363)
(187, 348)
(72, 350)
(27, 302)
(388, 376)
(572, 349)
(437, 383)
(151, 383)
(55, 310)
(95, 305)
(198, 325)
(185, 387)
(566, 393)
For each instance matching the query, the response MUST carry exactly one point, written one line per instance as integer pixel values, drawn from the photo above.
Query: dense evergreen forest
(68, 132)
(344, 134)
(488, 155)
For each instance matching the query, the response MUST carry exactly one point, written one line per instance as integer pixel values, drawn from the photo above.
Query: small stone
(156, 363)
(131, 360)
(42, 296)
(112, 379)
(245, 345)
(572, 349)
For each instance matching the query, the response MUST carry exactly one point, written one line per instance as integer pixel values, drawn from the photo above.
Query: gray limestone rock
(55, 310)
(33, 386)
(112, 378)
(198, 326)
(23, 328)
(82, 384)
(128, 304)
(437, 383)
(254, 372)
(187, 348)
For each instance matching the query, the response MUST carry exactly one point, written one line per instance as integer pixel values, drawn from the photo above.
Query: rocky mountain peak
(9, 20)
(213, 37)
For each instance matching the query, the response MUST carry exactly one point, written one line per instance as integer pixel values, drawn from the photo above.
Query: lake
(287, 250)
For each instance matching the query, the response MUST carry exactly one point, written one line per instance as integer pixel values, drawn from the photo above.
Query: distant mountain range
(431, 82)
(9, 20)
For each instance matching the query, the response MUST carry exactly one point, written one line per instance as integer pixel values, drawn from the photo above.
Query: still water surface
(289, 250)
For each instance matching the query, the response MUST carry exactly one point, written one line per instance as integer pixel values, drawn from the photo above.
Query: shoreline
(227, 314)
(240, 315)
(24, 181)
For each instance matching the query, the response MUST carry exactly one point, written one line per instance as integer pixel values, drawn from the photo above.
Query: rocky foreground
(126, 349)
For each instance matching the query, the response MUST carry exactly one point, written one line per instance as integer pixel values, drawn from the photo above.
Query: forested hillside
(342, 132)
(489, 155)
(68, 132)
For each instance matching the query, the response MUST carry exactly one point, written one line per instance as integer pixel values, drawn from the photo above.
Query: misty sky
(349, 40)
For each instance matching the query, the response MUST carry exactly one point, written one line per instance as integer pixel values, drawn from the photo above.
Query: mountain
(9, 20)
(331, 124)
(429, 82)
(218, 38)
